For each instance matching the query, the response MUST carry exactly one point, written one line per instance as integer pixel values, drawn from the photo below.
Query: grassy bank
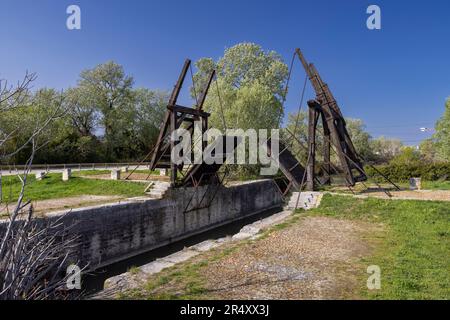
(414, 253)
(436, 185)
(360, 188)
(52, 187)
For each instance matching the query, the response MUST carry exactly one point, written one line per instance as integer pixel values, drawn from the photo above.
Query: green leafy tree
(81, 144)
(248, 93)
(24, 120)
(150, 108)
(297, 124)
(360, 138)
(442, 135)
(407, 156)
(385, 149)
(84, 114)
(428, 151)
(104, 119)
(249, 88)
(109, 90)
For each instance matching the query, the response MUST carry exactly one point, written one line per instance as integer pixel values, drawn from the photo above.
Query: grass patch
(183, 281)
(360, 188)
(414, 253)
(427, 185)
(186, 276)
(134, 270)
(436, 185)
(52, 187)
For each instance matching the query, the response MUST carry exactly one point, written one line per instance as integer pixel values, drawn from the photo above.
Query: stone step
(160, 188)
(307, 200)
(155, 194)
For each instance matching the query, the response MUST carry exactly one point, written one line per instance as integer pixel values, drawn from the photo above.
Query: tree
(109, 90)
(442, 135)
(32, 254)
(360, 138)
(249, 88)
(150, 108)
(84, 115)
(297, 124)
(407, 156)
(54, 138)
(25, 121)
(428, 151)
(385, 149)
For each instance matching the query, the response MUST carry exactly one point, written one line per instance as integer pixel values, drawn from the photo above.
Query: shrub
(403, 172)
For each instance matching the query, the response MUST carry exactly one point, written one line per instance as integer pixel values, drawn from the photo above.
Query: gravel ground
(72, 202)
(405, 194)
(313, 258)
(44, 206)
(434, 195)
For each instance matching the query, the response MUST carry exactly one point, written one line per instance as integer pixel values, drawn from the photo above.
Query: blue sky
(395, 79)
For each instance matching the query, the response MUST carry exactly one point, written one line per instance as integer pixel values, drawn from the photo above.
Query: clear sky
(395, 79)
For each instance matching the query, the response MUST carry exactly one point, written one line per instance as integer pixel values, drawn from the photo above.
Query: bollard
(163, 172)
(415, 184)
(66, 174)
(40, 175)
(115, 174)
(124, 169)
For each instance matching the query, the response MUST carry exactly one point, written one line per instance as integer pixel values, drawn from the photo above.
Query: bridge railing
(75, 166)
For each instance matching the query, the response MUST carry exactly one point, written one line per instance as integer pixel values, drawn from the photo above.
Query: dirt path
(45, 206)
(72, 202)
(403, 194)
(313, 258)
(432, 195)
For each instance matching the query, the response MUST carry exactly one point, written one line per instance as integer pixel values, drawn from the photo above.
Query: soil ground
(434, 195)
(42, 206)
(406, 194)
(312, 258)
(73, 202)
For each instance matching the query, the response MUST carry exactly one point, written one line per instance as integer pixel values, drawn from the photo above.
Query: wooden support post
(167, 118)
(205, 91)
(175, 116)
(312, 126)
(326, 153)
(339, 135)
(173, 166)
(337, 142)
(204, 129)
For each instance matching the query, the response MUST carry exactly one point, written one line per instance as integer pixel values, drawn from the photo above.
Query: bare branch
(33, 252)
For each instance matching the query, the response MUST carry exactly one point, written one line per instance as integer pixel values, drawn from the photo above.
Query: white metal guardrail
(74, 166)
